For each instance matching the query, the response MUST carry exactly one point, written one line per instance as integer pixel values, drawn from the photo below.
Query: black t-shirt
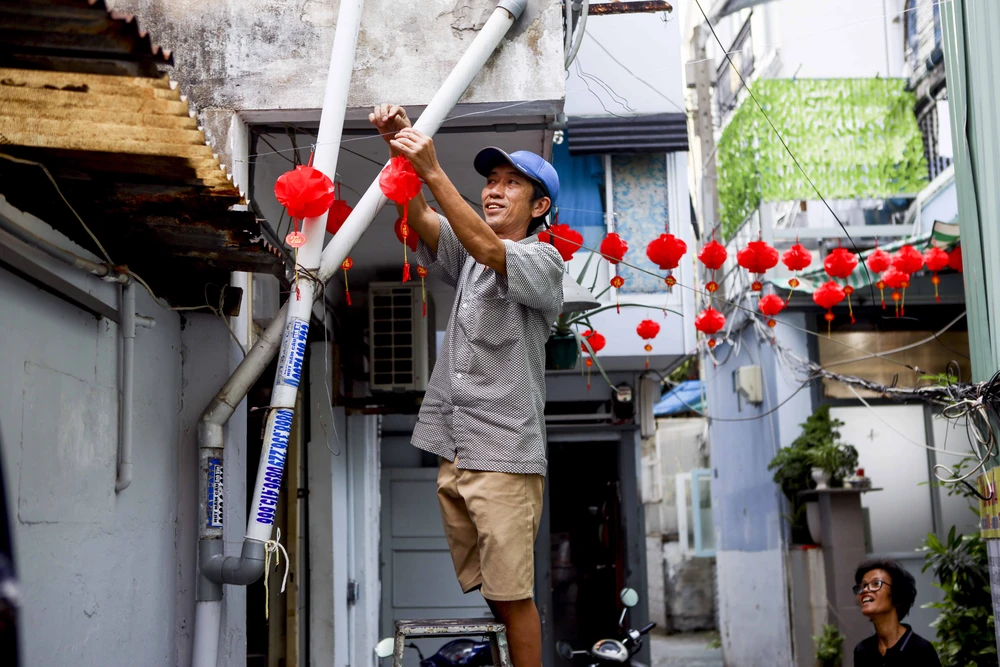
(911, 650)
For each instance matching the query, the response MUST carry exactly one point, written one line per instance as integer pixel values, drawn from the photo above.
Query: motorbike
(611, 651)
(456, 653)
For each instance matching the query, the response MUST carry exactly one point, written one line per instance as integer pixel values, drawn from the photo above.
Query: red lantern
(757, 258)
(898, 281)
(827, 296)
(422, 272)
(908, 259)
(666, 251)
(955, 259)
(713, 256)
(617, 282)
(339, 212)
(566, 240)
(936, 260)
(613, 248)
(840, 263)
(647, 330)
(709, 322)
(878, 261)
(346, 266)
(597, 343)
(596, 340)
(771, 305)
(305, 192)
(796, 259)
(400, 183)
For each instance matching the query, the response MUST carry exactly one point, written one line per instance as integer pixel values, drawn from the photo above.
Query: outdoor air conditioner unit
(400, 338)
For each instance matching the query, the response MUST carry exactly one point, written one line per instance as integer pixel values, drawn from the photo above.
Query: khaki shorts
(491, 520)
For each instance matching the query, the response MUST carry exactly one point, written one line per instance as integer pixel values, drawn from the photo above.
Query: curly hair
(903, 586)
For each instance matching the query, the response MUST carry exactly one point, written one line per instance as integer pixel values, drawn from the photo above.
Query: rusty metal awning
(84, 98)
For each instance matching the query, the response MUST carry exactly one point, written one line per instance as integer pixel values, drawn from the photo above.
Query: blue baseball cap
(533, 166)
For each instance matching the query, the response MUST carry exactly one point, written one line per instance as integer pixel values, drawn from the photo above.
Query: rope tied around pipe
(273, 547)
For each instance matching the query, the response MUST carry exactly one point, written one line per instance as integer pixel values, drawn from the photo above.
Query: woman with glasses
(886, 592)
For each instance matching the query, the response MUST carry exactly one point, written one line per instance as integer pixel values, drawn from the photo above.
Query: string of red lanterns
(840, 263)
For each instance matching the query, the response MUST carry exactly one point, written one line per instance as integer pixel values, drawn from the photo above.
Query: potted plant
(562, 350)
(793, 467)
(832, 461)
(829, 647)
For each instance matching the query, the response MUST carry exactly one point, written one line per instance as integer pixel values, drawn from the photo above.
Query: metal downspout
(216, 569)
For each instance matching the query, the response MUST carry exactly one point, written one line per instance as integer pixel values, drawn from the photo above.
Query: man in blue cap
(483, 412)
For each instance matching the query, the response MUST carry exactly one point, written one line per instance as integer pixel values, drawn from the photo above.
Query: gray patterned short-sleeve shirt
(485, 400)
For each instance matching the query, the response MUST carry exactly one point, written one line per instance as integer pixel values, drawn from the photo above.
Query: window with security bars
(398, 338)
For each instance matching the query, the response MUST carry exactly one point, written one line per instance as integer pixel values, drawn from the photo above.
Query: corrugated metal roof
(82, 94)
(655, 133)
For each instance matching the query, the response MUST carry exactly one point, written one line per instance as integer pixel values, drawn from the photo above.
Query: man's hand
(418, 148)
(389, 119)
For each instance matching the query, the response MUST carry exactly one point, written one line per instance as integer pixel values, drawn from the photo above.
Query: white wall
(650, 78)
(107, 575)
(262, 55)
(98, 569)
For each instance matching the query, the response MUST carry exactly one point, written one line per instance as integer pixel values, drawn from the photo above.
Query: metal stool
(495, 630)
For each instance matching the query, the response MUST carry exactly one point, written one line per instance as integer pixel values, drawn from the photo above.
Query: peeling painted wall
(257, 55)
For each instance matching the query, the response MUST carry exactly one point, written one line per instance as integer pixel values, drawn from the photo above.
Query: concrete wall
(273, 55)
(649, 80)
(754, 615)
(97, 568)
(689, 590)
(107, 575)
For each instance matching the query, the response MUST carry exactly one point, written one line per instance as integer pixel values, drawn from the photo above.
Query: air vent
(399, 344)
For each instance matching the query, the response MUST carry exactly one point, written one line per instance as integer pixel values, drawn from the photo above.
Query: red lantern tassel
(406, 272)
(936, 280)
(589, 362)
(347, 287)
(848, 290)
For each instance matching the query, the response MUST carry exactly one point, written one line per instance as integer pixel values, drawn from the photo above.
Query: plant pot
(812, 520)
(821, 477)
(561, 352)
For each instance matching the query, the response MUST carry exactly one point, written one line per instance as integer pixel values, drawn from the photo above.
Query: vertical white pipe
(300, 302)
(207, 620)
(124, 478)
(299, 308)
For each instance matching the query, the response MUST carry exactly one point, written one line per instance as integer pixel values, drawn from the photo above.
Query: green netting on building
(855, 138)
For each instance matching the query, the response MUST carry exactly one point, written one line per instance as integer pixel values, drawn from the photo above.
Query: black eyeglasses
(874, 586)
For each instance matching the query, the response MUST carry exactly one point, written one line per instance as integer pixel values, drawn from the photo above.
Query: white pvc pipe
(207, 620)
(128, 381)
(300, 302)
(298, 311)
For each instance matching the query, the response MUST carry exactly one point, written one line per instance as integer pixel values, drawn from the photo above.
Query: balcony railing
(727, 82)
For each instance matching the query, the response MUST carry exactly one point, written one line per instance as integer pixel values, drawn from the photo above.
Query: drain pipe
(129, 320)
(215, 568)
(289, 330)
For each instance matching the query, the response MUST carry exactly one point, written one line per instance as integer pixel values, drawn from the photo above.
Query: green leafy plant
(829, 646)
(564, 328)
(965, 624)
(838, 460)
(792, 465)
(855, 138)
